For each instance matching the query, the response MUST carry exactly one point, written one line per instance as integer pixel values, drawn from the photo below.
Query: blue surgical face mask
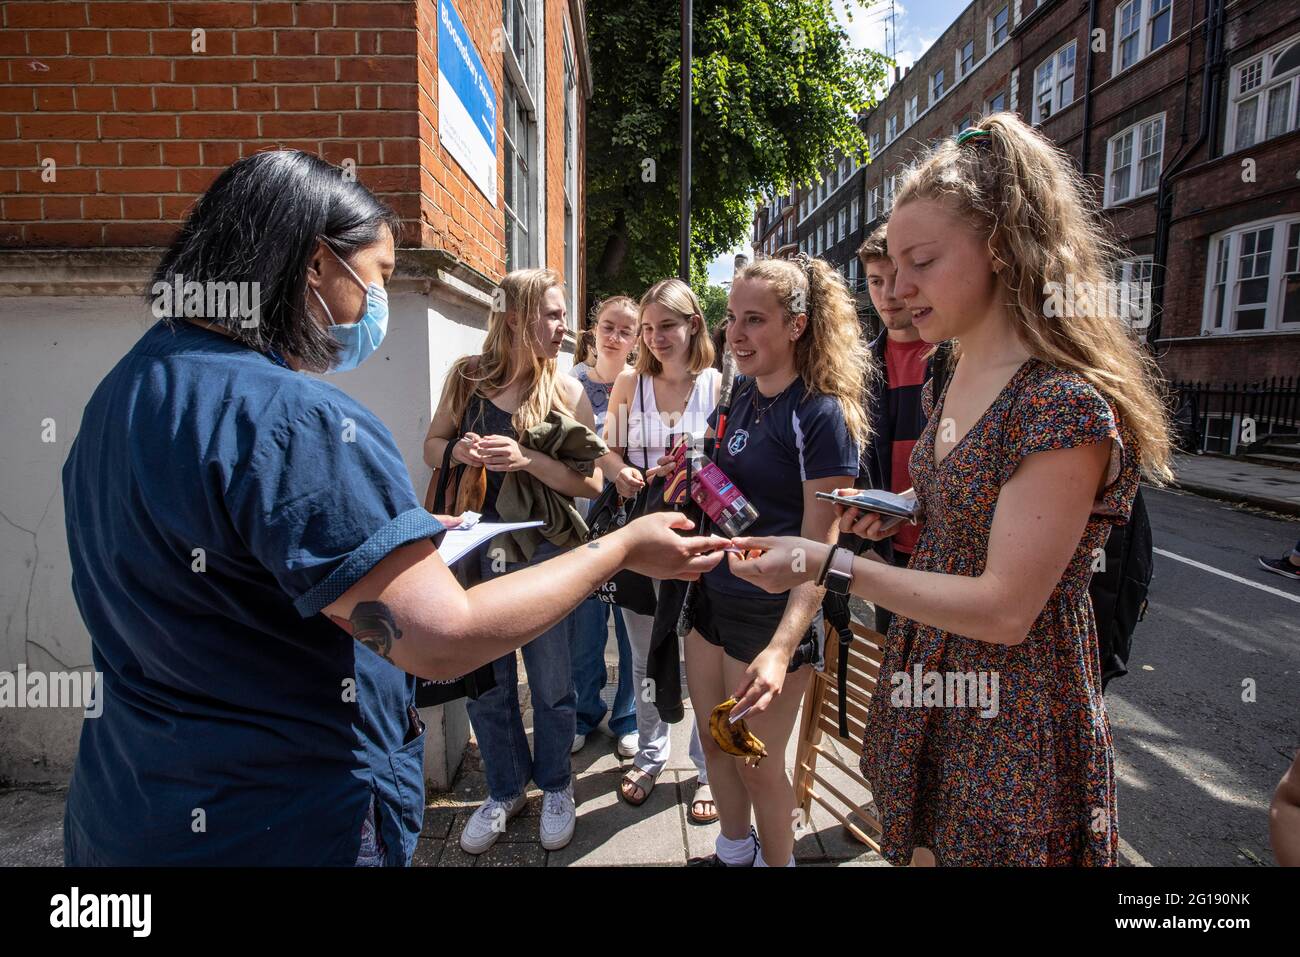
(361, 338)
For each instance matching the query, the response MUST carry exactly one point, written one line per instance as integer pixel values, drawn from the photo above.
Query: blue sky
(916, 23)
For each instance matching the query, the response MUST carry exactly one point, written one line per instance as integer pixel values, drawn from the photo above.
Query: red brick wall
(453, 213)
(138, 125)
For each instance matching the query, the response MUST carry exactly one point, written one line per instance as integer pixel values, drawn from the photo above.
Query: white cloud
(721, 269)
(867, 28)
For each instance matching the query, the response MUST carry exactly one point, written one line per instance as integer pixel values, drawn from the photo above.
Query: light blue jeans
(591, 633)
(498, 721)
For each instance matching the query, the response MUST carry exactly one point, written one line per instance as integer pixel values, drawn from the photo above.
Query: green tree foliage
(713, 300)
(776, 89)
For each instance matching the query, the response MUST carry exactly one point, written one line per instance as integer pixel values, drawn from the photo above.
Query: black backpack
(1119, 590)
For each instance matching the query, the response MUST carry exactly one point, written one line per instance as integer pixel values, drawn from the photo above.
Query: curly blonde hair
(1042, 226)
(831, 357)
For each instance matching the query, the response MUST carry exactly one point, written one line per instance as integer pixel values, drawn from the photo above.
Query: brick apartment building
(1133, 111)
(468, 117)
(1215, 143)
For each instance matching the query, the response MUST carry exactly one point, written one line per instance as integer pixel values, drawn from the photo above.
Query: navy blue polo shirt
(215, 503)
(772, 446)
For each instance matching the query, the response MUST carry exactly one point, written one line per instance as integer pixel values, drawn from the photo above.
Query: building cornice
(125, 272)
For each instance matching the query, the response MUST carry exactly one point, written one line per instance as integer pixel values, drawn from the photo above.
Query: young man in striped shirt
(897, 421)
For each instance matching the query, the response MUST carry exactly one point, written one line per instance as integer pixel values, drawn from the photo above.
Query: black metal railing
(1233, 418)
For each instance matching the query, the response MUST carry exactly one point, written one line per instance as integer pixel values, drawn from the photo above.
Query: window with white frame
(875, 145)
(999, 27)
(889, 193)
(997, 103)
(965, 58)
(891, 128)
(1253, 279)
(965, 123)
(1134, 158)
(853, 215)
(1134, 278)
(1054, 83)
(936, 86)
(844, 223)
(873, 203)
(845, 169)
(570, 180)
(522, 141)
(1141, 27)
(1264, 93)
(909, 116)
(1136, 269)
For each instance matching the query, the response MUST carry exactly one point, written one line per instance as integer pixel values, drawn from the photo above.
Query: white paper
(469, 520)
(459, 542)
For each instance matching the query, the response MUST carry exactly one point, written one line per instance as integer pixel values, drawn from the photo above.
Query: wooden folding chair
(821, 715)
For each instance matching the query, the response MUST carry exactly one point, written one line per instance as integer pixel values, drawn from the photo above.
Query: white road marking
(1228, 575)
(1127, 850)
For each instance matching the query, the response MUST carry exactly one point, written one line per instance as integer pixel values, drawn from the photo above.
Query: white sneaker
(559, 818)
(579, 741)
(488, 823)
(627, 745)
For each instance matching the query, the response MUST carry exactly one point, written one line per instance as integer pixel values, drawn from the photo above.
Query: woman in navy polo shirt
(232, 521)
(795, 429)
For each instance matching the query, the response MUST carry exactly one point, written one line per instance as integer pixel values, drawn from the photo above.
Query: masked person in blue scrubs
(250, 558)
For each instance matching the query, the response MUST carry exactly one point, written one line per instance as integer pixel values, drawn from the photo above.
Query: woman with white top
(671, 390)
(603, 354)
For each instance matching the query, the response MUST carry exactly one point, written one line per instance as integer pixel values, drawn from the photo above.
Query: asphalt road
(1196, 763)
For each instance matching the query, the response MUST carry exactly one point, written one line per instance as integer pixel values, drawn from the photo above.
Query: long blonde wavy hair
(831, 356)
(1042, 226)
(508, 354)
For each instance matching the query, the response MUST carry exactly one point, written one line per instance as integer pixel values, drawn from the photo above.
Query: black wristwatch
(837, 572)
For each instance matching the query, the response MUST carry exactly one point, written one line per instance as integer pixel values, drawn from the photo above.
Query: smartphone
(897, 507)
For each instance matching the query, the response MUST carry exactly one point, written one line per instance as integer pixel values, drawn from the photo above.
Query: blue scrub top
(240, 725)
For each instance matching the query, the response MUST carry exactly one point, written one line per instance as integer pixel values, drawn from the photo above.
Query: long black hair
(259, 222)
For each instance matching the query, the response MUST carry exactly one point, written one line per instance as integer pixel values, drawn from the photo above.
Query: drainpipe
(1087, 95)
(1164, 194)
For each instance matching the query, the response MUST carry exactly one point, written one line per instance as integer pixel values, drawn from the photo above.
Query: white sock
(759, 862)
(739, 853)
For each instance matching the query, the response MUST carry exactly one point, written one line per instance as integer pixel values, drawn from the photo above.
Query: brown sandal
(703, 796)
(636, 778)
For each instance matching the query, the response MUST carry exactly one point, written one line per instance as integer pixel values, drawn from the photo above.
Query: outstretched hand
(657, 551)
(783, 563)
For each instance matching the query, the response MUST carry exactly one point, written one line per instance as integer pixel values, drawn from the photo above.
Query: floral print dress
(1033, 784)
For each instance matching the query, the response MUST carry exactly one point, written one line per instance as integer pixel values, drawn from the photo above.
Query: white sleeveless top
(648, 430)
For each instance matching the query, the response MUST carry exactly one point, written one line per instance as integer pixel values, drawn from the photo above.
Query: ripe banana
(736, 738)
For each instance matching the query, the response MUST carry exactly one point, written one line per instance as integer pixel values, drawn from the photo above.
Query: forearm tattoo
(372, 623)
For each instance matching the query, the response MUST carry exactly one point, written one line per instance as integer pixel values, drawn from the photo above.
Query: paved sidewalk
(611, 832)
(1264, 486)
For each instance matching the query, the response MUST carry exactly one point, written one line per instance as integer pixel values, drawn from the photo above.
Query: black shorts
(743, 626)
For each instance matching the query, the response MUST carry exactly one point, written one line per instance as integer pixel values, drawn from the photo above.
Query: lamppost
(684, 235)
